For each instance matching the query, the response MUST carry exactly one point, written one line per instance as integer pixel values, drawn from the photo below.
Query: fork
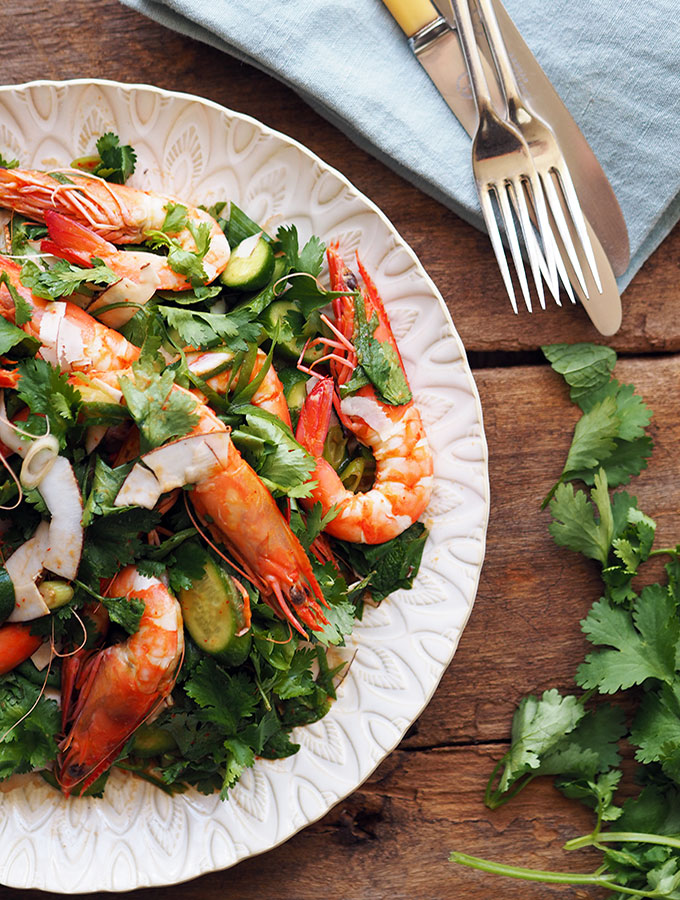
(502, 167)
(547, 157)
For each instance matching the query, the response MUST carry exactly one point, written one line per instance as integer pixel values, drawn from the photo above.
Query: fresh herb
(64, 278)
(47, 392)
(378, 361)
(26, 742)
(205, 330)
(185, 262)
(161, 410)
(8, 163)
(635, 628)
(115, 162)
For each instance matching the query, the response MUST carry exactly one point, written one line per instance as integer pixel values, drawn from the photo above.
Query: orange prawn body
(395, 434)
(123, 684)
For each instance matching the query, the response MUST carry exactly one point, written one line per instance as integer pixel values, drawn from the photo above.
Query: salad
(212, 462)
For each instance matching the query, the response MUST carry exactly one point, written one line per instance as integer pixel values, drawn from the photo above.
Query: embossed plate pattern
(137, 836)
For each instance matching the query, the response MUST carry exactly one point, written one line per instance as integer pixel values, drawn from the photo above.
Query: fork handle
(506, 73)
(473, 59)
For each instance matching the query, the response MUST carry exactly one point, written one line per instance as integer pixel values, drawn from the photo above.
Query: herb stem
(494, 868)
(637, 837)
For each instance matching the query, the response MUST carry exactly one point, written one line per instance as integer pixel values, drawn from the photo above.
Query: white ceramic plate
(137, 836)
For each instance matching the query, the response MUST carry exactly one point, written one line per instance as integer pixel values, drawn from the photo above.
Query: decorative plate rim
(269, 132)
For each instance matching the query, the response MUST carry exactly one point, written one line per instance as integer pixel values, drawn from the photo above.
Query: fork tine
(509, 224)
(519, 202)
(546, 258)
(563, 228)
(564, 178)
(497, 244)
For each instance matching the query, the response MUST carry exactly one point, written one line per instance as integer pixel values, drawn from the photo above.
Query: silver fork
(502, 167)
(547, 157)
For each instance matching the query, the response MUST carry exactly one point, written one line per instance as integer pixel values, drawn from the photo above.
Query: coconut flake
(367, 409)
(135, 292)
(59, 489)
(24, 567)
(189, 460)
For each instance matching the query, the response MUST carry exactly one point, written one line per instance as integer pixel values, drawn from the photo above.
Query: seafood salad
(211, 462)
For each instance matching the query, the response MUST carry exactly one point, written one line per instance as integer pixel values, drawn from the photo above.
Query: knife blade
(435, 44)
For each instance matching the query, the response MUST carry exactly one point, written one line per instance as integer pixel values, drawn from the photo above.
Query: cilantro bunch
(635, 630)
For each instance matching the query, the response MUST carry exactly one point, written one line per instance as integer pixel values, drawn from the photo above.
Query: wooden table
(391, 838)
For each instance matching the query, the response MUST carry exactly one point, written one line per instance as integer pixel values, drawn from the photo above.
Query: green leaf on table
(575, 524)
(585, 367)
(642, 644)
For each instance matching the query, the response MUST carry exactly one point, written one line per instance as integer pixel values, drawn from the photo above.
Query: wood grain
(391, 838)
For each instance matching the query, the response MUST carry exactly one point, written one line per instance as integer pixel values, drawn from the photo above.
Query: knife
(435, 44)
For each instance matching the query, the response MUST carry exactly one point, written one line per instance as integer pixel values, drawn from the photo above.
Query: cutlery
(503, 168)
(436, 46)
(545, 152)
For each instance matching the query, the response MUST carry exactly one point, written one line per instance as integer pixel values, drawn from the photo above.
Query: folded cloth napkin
(614, 64)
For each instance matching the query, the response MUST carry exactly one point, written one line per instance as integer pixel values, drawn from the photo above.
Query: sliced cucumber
(292, 348)
(250, 265)
(150, 740)
(215, 615)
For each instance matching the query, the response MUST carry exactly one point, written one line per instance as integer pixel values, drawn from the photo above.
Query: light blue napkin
(615, 64)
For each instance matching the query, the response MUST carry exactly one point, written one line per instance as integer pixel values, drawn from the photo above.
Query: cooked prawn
(243, 512)
(122, 685)
(118, 213)
(395, 434)
(69, 336)
(269, 394)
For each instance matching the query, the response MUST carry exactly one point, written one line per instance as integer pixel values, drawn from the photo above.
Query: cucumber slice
(150, 740)
(277, 311)
(250, 265)
(215, 616)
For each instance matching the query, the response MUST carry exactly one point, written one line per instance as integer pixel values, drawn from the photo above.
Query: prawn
(243, 514)
(395, 434)
(121, 686)
(115, 213)
(269, 393)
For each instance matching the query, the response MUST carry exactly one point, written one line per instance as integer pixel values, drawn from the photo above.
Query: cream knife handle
(411, 15)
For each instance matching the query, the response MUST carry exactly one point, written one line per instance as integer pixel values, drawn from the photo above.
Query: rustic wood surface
(391, 838)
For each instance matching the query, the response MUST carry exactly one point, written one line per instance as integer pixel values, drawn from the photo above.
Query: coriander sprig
(635, 630)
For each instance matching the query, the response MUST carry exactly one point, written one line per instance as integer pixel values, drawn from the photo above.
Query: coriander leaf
(46, 391)
(644, 644)
(656, 727)
(575, 525)
(63, 278)
(30, 742)
(598, 793)
(280, 461)
(594, 436)
(307, 530)
(591, 747)
(117, 160)
(537, 728)
(161, 410)
(125, 611)
(175, 218)
(8, 163)
(224, 698)
(631, 409)
(585, 367)
(207, 330)
(113, 542)
(239, 757)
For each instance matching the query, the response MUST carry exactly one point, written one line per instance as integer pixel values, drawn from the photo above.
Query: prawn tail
(72, 241)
